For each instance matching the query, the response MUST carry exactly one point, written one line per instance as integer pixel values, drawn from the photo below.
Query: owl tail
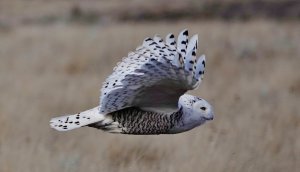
(70, 122)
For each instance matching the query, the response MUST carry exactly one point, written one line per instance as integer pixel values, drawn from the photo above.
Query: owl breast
(139, 122)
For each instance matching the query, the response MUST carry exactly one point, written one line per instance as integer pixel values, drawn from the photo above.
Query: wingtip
(147, 39)
(184, 31)
(202, 57)
(196, 36)
(170, 35)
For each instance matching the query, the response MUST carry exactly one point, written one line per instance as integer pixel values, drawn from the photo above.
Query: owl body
(146, 92)
(139, 122)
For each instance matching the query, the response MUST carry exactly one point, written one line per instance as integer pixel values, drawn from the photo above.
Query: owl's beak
(209, 118)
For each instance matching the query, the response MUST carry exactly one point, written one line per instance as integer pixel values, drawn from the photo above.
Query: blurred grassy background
(54, 55)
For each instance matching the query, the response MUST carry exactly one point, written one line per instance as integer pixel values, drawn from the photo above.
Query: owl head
(196, 111)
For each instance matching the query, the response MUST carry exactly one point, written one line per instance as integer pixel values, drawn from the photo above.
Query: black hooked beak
(208, 119)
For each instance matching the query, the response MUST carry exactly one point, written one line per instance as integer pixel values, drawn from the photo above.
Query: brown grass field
(252, 80)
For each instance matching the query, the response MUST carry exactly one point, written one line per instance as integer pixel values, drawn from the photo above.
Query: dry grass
(14, 12)
(252, 80)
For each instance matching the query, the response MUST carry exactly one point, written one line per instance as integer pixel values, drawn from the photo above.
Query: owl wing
(155, 75)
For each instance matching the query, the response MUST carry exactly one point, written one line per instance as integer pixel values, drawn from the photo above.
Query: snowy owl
(145, 94)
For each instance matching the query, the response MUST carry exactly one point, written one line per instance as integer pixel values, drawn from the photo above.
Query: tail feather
(70, 122)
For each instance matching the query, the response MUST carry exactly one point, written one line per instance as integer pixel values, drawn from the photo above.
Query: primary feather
(153, 69)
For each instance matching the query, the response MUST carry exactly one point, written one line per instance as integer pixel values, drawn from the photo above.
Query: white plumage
(148, 86)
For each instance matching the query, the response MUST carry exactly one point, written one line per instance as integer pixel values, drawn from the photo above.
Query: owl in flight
(145, 94)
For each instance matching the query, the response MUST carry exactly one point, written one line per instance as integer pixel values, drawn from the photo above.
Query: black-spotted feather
(158, 68)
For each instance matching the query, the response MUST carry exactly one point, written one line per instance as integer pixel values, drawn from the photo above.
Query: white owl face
(202, 109)
(196, 110)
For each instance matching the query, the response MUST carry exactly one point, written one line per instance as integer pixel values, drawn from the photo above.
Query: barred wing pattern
(155, 75)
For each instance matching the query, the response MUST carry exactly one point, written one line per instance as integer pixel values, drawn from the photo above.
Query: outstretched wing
(155, 75)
